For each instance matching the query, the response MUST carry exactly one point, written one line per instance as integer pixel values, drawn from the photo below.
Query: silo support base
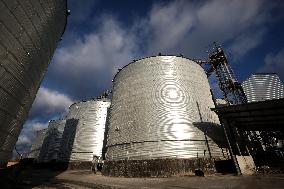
(80, 165)
(72, 165)
(158, 167)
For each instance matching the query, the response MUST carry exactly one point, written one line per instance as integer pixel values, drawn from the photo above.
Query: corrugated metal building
(263, 86)
(29, 33)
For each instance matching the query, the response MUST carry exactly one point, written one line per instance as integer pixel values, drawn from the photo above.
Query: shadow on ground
(28, 175)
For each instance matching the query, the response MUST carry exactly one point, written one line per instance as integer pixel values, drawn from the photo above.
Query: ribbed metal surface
(261, 87)
(52, 141)
(84, 133)
(29, 33)
(155, 111)
(36, 146)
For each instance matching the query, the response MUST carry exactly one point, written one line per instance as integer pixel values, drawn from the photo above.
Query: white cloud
(246, 42)
(38, 126)
(169, 24)
(24, 140)
(96, 50)
(228, 22)
(274, 62)
(228, 16)
(49, 102)
(189, 27)
(87, 66)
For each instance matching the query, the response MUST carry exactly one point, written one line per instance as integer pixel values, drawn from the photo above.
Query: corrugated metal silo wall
(155, 111)
(36, 146)
(51, 144)
(84, 132)
(29, 33)
(261, 87)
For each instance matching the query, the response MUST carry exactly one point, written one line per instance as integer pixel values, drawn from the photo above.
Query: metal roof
(265, 115)
(153, 56)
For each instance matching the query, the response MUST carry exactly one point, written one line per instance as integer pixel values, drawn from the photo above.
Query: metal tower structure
(229, 85)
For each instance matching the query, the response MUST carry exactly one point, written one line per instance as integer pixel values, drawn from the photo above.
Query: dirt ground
(192, 182)
(43, 178)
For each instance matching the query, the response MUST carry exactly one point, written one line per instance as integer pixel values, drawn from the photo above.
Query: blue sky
(102, 36)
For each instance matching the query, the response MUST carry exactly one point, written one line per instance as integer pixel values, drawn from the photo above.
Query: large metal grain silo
(37, 144)
(29, 33)
(52, 141)
(161, 110)
(84, 133)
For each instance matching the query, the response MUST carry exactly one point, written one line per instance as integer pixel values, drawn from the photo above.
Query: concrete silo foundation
(158, 167)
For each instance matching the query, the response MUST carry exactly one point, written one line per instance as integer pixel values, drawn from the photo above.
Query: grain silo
(52, 141)
(36, 146)
(160, 110)
(29, 33)
(263, 86)
(84, 133)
